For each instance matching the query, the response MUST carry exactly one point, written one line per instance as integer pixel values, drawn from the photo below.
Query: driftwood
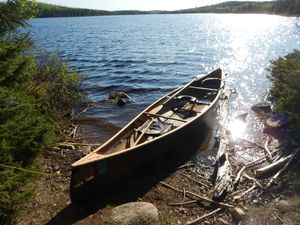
(261, 159)
(283, 169)
(273, 166)
(224, 178)
(203, 217)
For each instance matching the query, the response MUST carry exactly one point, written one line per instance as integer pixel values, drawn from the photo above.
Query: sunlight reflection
(237, 128)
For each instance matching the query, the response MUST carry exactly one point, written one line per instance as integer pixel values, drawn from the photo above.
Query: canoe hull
(93, 181)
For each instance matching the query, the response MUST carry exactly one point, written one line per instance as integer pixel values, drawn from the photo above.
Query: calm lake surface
(148, 55)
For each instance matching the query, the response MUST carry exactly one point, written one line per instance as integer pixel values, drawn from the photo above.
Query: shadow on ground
(142, 182)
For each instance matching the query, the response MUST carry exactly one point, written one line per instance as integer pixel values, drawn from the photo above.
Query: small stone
(284, 206)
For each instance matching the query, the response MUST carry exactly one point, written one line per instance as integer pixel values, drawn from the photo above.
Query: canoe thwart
(164, 117)
(204, 88)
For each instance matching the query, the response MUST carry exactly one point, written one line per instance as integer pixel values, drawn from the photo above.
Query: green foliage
(285, 77)
(55, 86)
(35, 92)
(289, 7)
(22, 130)
(15, 13)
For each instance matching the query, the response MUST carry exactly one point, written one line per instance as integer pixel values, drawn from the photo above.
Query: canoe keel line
(161, 129)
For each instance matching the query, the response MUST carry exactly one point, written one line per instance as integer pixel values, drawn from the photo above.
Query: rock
(277, 120)
(284, 206)
(118, 97)
(135, 213)
(261, 108)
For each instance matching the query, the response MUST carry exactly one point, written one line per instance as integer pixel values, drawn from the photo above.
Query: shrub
(285, 77)
(55, 86)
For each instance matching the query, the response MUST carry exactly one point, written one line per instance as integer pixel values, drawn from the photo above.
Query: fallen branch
(203, 217)
(182, 203)
(80, 144)
(75, 116)
(238, 176)
(74, 132)
(253, 163)
(259, 172)
(269, 154)
(245, 192)
(183, 198)
(221, 204)
(283, 169)
(253, 179)
(196, 181)
(278, 217)
(186, 165)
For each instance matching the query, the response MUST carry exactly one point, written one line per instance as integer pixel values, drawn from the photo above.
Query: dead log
(224, 173)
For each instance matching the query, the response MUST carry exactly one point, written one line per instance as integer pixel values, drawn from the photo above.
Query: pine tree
(23, 130)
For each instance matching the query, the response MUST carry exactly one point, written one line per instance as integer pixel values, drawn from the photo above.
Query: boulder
(135, 213)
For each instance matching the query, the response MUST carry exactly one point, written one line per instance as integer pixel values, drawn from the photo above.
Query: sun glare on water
(237, 128)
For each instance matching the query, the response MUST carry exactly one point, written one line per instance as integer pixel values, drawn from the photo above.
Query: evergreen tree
(23, 129)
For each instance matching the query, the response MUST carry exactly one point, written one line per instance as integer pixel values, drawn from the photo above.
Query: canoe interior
(203, 92)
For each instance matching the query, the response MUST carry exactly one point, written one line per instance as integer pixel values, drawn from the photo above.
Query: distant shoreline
(232, 7)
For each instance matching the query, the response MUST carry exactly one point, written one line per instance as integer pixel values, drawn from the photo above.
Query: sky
(136, 4)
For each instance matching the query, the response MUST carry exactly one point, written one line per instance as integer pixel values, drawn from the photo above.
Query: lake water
(148, 55)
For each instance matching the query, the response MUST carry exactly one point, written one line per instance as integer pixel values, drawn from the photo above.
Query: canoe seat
(157, 127)
(185, 113)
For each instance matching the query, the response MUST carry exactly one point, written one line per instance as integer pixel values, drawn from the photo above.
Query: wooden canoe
(155, 132)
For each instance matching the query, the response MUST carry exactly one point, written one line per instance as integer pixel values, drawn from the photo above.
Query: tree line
(49, 10)
(285, 7)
